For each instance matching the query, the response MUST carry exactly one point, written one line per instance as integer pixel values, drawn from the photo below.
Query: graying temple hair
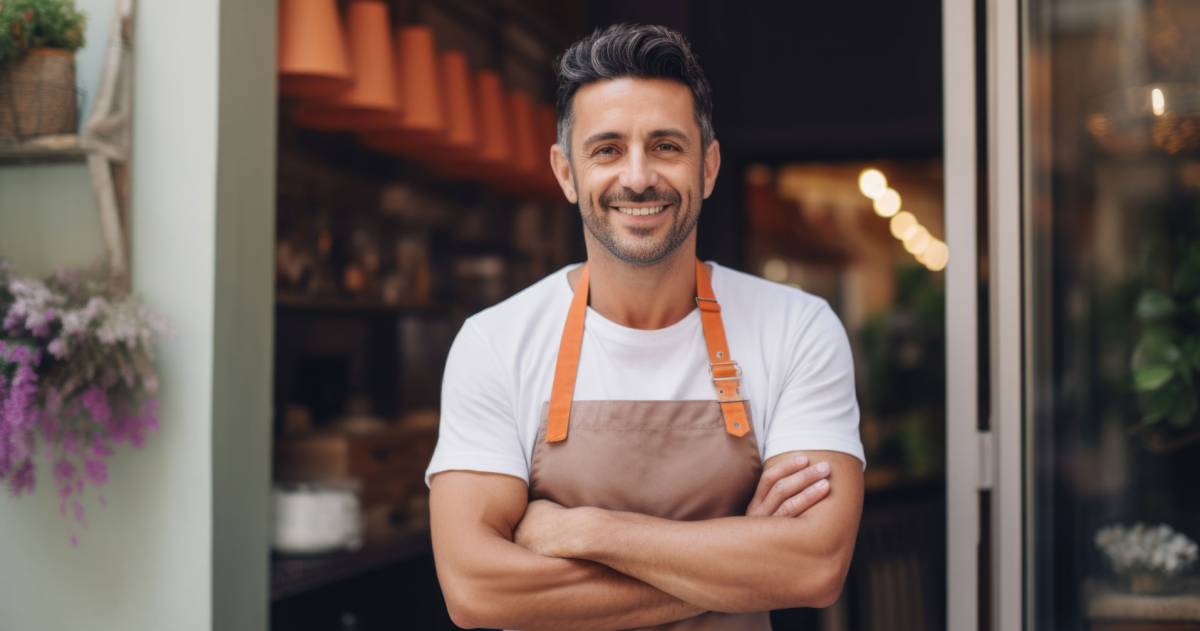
(630, 50)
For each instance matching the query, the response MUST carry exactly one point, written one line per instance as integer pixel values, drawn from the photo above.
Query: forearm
(732, 564)
(496, 583)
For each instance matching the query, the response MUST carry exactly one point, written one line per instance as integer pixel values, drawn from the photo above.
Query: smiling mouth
(641, 211)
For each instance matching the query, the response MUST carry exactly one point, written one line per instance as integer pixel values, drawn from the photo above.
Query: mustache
(649, 195)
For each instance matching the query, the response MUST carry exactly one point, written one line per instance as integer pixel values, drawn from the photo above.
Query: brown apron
(680, 460)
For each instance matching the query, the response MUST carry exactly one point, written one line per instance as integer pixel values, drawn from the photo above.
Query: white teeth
(640, 212)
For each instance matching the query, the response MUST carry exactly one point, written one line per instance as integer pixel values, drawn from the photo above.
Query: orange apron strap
(567, 364)
(726, 374)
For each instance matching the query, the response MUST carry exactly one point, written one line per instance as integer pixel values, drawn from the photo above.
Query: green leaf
(1187, 275)
(1152, 377)
(1157, 404)
(1154, 304)
(1156, 347)
(1184, 412)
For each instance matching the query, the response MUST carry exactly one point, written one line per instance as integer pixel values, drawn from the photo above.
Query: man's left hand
(549, 529)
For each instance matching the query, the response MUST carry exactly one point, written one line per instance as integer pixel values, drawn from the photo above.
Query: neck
(641, 297)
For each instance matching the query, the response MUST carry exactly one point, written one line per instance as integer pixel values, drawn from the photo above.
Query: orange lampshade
(521, 173)
(455, 156)
(420, 81)
(462, 121)
(421, 122)
(373, 97)
(524, 134)
(312, 51)
(495, 142)
(492, 153)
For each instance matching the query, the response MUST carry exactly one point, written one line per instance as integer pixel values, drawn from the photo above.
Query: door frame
(985, 457)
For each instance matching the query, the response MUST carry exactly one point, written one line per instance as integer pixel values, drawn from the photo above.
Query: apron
(679, 460)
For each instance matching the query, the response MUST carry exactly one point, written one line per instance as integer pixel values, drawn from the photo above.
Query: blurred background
(318, 192)
(391, 233)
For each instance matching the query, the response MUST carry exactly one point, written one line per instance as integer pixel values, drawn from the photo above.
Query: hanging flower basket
(77, 380)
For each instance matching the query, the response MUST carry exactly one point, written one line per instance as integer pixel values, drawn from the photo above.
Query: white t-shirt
(797, 370)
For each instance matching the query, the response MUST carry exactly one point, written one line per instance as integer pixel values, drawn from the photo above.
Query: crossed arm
(506, 564)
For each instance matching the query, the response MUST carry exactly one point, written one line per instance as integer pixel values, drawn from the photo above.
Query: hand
(790, 487)
(546, 528)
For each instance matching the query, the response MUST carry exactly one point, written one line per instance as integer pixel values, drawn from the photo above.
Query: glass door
(1073, 363)
(1111, 218)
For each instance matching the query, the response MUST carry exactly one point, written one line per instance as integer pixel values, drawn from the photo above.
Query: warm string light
(888, 203)
(925, 248)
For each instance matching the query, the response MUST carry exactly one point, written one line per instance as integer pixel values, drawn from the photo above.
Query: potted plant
(38, 40)
(1166, 360)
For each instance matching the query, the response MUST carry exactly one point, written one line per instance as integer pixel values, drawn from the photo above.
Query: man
(643, 439)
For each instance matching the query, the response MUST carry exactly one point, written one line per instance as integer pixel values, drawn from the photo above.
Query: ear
(562, 172)
(712, 164)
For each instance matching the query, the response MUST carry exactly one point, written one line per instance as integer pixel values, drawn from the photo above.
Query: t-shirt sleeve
(817, 408)
(477, 430)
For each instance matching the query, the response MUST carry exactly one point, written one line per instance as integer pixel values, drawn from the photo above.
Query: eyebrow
(669, 132)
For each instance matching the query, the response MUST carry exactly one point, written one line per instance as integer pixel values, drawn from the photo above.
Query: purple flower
(64, 470)
(96, 471)
(96, 402)
(58, 348)
(70, 443)
(18, 414)
(102, 346)
(77, 508)
(22, 479)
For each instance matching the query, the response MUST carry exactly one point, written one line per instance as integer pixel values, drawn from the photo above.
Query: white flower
(1157, 549)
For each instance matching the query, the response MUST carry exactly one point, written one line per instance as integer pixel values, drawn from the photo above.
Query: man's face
(637, 167)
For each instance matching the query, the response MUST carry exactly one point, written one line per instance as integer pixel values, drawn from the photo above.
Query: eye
(605, 150)
(666, 146)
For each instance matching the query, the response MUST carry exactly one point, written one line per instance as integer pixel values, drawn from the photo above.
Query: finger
(774, 474)
(770, 478)
(792, 485)
(796, 505)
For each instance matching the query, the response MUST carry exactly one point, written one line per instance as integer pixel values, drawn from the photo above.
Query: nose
(638, 173)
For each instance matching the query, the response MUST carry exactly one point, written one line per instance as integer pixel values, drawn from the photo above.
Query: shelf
(1105, 602)
(292, 575)
(56, 149)
(317, 306)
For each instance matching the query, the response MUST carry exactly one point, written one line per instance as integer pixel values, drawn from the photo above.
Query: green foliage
(1166, 360)
(902, 350)
(29, 24)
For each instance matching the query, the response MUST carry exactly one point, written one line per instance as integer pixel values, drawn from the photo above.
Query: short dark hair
(631, 50)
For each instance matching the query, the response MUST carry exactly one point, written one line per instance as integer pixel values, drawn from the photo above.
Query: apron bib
(679, 460)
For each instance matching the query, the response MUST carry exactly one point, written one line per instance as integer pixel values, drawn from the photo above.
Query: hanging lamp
(422, 120)
(312, 49)
(373, 97)
(455, 154)
(490, 157)
(519, 175)
(524, 134)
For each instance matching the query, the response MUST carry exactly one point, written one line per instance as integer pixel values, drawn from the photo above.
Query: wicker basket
(37, 95)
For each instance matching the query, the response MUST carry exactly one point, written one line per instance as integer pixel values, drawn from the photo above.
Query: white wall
(182, 542)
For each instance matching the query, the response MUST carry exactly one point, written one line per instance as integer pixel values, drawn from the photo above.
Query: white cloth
(797, 370)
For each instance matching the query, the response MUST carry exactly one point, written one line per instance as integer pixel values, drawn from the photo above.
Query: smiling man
(644, 439)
